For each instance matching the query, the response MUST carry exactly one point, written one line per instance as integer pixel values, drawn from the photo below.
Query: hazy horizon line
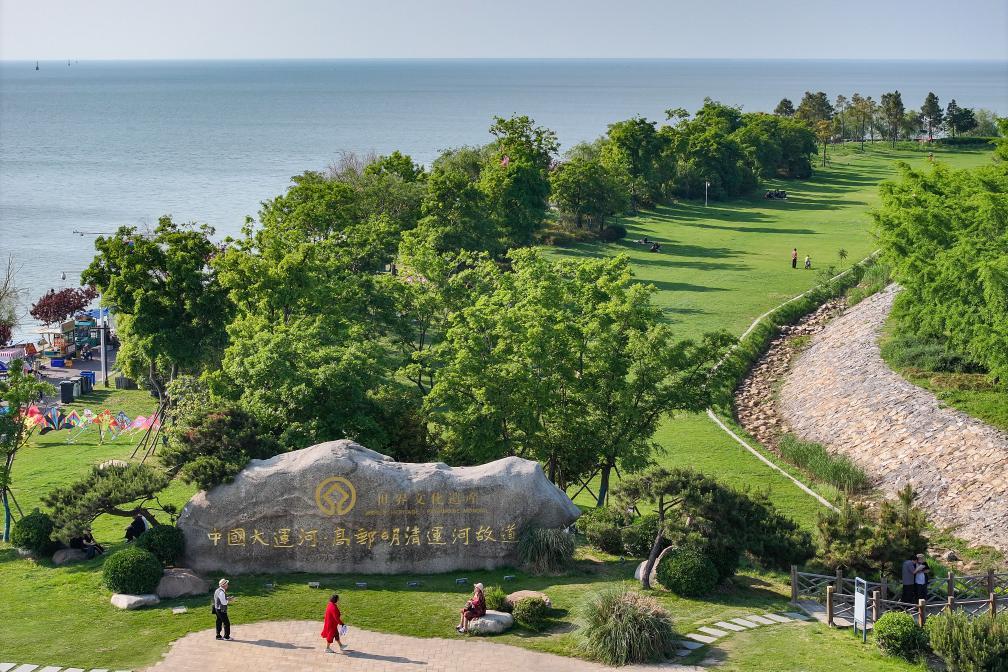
(499, 58)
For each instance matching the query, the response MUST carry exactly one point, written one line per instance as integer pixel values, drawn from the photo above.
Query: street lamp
(706, 185)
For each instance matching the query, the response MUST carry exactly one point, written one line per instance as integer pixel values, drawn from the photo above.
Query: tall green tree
(586, 188)
(931, 113)
(633, 147)
(959, 119)
(893, 113)
(10, 295)
(841, 106)
(785, 108)
(18, 391)
(814, 107)
(171, 308)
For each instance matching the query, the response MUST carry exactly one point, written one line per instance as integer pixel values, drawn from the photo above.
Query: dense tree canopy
(814, 107)
(586, 188)
(785, 108)
(946, 234)
(893, 112)
(54, 307)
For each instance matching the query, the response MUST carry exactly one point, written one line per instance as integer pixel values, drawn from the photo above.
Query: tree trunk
(604, 484)
(577, 220)
(7, 518)
(652, 557)
(552, 469)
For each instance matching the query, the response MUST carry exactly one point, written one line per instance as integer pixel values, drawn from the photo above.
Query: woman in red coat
(331, 625)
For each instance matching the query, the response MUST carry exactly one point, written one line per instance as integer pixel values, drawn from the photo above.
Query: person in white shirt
(220, 609)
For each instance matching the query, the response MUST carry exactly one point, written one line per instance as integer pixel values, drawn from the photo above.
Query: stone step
(50, 668)
(26, 667)
(713, 632)
(703, 639)
(682, 653)
(778, 618)
(744, 623)
(725, 625)
(797, 616)
(690, 645)
(762, 620)
(7, 667)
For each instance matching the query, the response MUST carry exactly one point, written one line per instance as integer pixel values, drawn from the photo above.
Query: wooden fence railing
(973, 594)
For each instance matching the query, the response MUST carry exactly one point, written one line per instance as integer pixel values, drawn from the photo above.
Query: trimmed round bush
(897, 634)
(133, 571)
(166, 542)
(638, 538)
(33, 533)
(496, 598)
(546, 550)
(612, 233)
(530, 613)
(725, 559)
(687, 571)
(621, 626)
(604, 536)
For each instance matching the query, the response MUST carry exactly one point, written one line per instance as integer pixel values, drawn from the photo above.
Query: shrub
(687, 571)
(600, 514)
(132, 570)
(970, 645)
(906, 350)
(612, 233)
(897, 634)
(166, 542)
(837, 470)
(33, 533)
(545, 550)
(605, 537)
(621, 626)
(496, 599)
(638, 538)
(530, 613)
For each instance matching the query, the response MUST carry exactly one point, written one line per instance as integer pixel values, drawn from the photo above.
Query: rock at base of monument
(65, 556)
(124, 601)
(180, 582)
(492, 623)
(523, 594)
(339, 508)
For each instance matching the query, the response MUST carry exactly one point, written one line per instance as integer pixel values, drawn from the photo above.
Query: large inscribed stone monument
(338, 507)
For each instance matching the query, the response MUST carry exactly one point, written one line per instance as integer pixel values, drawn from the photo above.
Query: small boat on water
(36, 65)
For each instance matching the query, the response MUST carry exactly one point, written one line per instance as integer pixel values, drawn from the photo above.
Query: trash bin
(77, 389)
(56, 362)
(87, 381)
(66, 388)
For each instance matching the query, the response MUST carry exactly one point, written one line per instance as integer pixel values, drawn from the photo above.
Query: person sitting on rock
(137, 527)
(474, 608)
(91, 547)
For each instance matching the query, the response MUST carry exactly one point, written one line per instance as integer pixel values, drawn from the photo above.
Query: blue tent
(95, 315)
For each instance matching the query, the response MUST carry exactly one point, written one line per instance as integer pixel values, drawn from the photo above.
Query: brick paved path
(295, 646)
(841, 393)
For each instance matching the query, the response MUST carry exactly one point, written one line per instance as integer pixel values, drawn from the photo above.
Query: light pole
(706, 184)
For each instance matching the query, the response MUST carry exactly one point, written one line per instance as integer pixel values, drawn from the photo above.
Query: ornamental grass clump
(621, 626)
(496, 599)
(546, 550)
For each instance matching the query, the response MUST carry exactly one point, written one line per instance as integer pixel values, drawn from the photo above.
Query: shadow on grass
(669, 286)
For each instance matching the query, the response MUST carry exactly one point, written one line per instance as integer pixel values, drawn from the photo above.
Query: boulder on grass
(179, 582)
(522, 594)
(492, 623)
(65, 556)
(653, 579)
(124, 601)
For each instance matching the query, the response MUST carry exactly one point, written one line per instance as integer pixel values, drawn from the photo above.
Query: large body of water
(96, 145)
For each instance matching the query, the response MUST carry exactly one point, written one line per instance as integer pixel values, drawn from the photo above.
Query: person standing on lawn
(794, 258)
(331, 624)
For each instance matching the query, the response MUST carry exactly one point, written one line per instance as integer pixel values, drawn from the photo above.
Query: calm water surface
(101, 144)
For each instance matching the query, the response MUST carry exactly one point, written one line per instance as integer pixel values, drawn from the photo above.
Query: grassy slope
(720, 267)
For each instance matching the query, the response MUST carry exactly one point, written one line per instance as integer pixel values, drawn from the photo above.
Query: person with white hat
(220, 609)
(474, 608)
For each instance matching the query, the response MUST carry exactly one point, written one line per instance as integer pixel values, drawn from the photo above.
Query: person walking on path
(909, 594)
(474, 608)
(331, 624)
(794, 258)
(220, 609)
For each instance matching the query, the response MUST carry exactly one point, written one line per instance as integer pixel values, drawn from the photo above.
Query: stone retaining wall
(840, 393)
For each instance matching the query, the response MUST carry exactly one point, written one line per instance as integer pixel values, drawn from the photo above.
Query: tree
(893, 113)
(814, 107)
(172, 309)
(565, 362)
(694, 508)
(911, 125)
(959, 119)
(633, 147)
(10, 296)
(841, 106)
(398, 164)
(55, 307)
(116, 489)
(931, 113)
(18, 391)
(945, 234)
(824, 131)
(586, 188)
(785, 108)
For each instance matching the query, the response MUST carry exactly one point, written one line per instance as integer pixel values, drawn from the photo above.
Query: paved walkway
(295, 646)
(840, 393)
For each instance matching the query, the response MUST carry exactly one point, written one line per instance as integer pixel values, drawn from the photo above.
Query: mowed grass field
(719, 268)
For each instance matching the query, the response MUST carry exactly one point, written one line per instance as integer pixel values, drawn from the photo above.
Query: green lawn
(719, 267)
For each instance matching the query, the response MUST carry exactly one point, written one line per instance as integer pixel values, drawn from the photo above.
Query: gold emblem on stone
(335, 496)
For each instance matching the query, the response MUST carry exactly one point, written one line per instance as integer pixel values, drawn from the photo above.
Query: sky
(265, 29)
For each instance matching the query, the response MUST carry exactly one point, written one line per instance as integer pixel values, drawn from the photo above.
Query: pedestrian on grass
(808, 262)
(332, 623)
(794, 258)
(220, 609)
